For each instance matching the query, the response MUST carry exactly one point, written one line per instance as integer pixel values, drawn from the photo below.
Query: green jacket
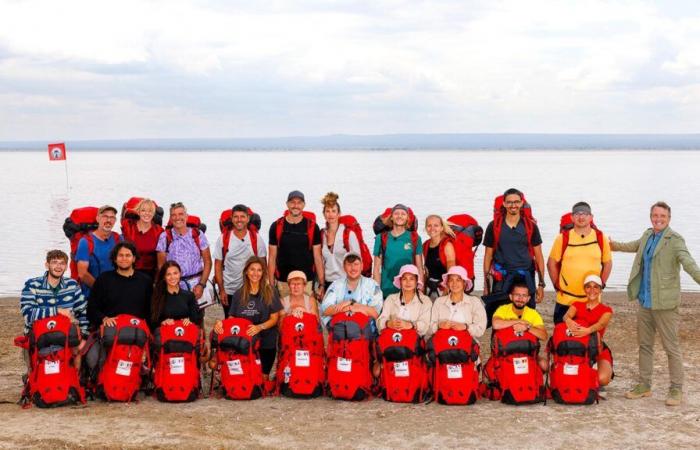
(669, 255)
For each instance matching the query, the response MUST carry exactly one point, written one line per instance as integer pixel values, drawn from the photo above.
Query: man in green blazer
(656, 284)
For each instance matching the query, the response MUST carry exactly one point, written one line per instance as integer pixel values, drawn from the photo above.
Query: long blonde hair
(265, 287)
(446, 229)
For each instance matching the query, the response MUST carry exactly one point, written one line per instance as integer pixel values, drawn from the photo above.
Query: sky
(195, 69)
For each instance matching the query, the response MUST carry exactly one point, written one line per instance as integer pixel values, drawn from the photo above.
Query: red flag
(57, 152)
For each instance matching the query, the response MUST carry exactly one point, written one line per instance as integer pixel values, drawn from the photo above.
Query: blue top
(648, 255)
(40, 300)
(99, 261)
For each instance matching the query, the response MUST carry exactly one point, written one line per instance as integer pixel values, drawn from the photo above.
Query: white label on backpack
(177, 365)
(257, 361)
(51, 367)
(570, 369)
(454, 371)
(124, 367)
(302, 358)
(234, 367)
(401, 369)
(344, 365)
(521, 366)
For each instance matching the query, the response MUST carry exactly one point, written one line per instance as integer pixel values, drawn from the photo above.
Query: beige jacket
(416, 311)
(469, 311)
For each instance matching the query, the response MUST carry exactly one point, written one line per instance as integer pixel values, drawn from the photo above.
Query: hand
(581, 332)
(167, 322)
(198, 290)
(396, 324)
(321, 291)
(66, 312)
(486, 288)
(298, 312)
(109, 322)
(253, 330)
(445, 325)
(223, 296)
(539, 294)
(459, 326)
(219, 327)
(343, 307)
(186, 322)
(520, 327)
(572, 325)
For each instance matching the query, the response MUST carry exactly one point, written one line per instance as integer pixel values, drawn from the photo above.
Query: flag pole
(65, 161)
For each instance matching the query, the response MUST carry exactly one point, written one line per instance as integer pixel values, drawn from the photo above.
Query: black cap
(296, 194)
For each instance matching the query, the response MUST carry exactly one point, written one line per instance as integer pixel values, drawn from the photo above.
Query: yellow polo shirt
(506, 312)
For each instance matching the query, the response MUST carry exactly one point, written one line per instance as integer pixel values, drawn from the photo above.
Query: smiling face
(455, 284)
(106, 221)
(57, 267)
(409, 282)
(433, 226)
(513, 203)
(178, 216)
(592, 291)
(660, 218)
(353, 269)
(399, 217)
(582, 219)
(295, 206)
(254, 273)
(172, 276)
(239, 220)
(125, 259)
(331, 214)
(296, 287)
(146, 212)
(520, 296)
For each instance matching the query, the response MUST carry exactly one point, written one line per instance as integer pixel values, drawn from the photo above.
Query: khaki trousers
(666, 322)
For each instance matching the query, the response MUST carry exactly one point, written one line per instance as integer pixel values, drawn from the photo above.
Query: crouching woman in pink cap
(408, 308)
(457, 310)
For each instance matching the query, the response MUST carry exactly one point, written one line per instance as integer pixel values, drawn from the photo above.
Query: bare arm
(84, 275)
(318, 262)
(377, 270)
(488, 259)
(206, 271)
(605, 272)
(419, 264)
(271, 262)
(553, 269)
(540, 332)
(160, 256)
(450, 256)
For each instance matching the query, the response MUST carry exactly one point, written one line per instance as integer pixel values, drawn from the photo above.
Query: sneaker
(639, 391)
(674, 397)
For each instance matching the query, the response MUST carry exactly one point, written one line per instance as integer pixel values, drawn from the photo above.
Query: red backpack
(176, 376)
(468, 236)
(126, 345)
(129, 218)
(351, 225)
(52, 379)
(301, 358)
(512, 373)
(349, 359)
(194, 224)
(529, 222)
(452, 356)
(226, 227)
(404, 376)
(80, 224)
(380, 228)
(237, 360)
(573, 377)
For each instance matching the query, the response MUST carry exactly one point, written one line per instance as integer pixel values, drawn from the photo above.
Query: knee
(604, 378)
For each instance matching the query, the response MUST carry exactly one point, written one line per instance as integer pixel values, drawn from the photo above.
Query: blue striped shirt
(39, 300)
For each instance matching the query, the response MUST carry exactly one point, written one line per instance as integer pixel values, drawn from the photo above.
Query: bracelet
(203, 285)
(542, 284)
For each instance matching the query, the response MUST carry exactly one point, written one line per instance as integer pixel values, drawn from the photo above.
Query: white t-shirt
(333, 259)
(239, 250)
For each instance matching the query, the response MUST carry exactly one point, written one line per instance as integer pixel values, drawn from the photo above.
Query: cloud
(214, 68)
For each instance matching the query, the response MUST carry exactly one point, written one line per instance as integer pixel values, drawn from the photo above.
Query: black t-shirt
(293, 252)
(114, 294)
(432, 262)
(180, 306)
(512, 252)
(257, 312)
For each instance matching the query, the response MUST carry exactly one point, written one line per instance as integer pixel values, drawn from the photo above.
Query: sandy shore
(279, 422)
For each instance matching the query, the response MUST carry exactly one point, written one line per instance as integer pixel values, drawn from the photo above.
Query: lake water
(620, 186)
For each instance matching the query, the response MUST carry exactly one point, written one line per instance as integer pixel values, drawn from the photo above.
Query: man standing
(394, 249)
(655, 283)
(577, 253)
(93, 252)
(229, 262)
(53, 294)
(189, 248)
(295, 244)
(513, 252)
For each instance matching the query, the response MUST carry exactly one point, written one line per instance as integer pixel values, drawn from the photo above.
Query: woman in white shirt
(333, 248)
(457, 310)
(407, 308)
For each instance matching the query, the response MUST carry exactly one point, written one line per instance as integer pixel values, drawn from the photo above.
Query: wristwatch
(201, 284)
(542, 284)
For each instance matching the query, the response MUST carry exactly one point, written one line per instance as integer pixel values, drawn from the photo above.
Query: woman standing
(407, 308)
(144, 233)
(457, 310)
(333, 248)
(438, 253)
(258, 302)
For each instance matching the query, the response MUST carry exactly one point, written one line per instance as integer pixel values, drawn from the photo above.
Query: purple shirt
(184, 251)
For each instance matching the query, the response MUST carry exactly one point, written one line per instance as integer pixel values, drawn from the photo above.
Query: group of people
(161, 275)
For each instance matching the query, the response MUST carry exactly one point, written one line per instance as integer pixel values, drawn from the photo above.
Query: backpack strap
(346, 238)
(385, 238)
(310, 225)
(279, 228)
(195, 236)
(225, 241)
(253, 241)
(443, 256)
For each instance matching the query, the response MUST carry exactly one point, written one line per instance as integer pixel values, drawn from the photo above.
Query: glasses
(520, 295)
(513, 203)
(104, 216)
(581, 214)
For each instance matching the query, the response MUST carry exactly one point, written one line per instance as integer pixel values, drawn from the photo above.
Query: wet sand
(281, 422)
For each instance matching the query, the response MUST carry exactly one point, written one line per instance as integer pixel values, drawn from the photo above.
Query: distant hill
(390, 142)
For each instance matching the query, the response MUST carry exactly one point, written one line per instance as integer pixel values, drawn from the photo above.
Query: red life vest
(301, 358)
(238, 360)
(380, 228)
(176, 376)
(52, 379)
(349, 371)
(126, 345)
(453, 355)
(226, 227)
(351, 225)
(573, 376)
(404, 376)
(529, 222)
(512, 373)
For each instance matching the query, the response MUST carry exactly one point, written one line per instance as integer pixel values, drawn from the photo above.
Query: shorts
(606, 354)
